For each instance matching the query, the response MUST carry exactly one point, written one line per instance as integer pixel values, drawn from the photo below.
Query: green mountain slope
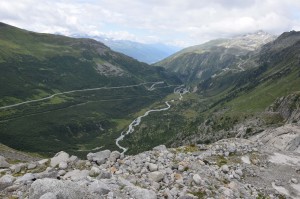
(35, 66)
(198, 63)
(230, 104)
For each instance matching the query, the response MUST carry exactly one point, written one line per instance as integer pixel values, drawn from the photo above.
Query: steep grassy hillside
(34, 66)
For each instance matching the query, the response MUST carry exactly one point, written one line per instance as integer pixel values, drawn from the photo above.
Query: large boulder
(160, 148)
(60, 189)
(156, 176)
(58, 158)
(26, 179)
(6, 181)
(100, 157)
(76, 175)
(114, 156)
(99, 188)
(48, 196)
(3, 163)
(16, 168)
(152, 167)
(137, 193)
(197, 179)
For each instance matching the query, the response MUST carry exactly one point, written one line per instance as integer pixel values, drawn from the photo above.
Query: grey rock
(156, 176)
(61, 172)
(181, 168)
(225, 168)
(61, 189)
(189, 196)
(294, 180)
(44, 161)
(6, 181)
(239, 172)
(138, 193)
(95, 171)
(152, 167)
(31, 166)
(104, 175)
(174, 191)
(88, 164)
(76, 175)
(48, 173)
(73, 158)
(3, 163)
(63, 165)
(279, 183)
(99, 188)
(174, 166)
(15, 168)
(160, 148)
(155, 185)
(25, 179)
(232, 148)
(114, 156)
(48, 195)
(58, 158)
(226, 191)
(197, 179)
(100, 157)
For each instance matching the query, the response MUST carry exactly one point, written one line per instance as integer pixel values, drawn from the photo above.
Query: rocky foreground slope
(260, 167)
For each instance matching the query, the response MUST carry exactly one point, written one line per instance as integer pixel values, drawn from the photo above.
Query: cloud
(181, 22)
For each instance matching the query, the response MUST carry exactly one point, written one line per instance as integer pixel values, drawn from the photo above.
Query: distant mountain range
(148, 53)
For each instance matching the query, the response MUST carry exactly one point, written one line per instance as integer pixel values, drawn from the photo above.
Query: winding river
(178, 90)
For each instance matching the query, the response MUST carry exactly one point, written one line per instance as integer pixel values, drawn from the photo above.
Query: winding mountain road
(81, 90)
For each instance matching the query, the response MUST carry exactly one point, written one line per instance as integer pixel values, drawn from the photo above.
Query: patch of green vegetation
(199, 194)
(262, 196)
(13, 197)
(272, 118)
(187, 149)
(265, 94)
(40, 169)
(221, 161)
(281, 196)
(13, 161)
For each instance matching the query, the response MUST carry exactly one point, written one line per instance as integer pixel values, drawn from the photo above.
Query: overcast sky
(177, 22)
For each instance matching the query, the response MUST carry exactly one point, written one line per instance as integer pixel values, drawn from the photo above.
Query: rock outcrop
(288, 107)
(3, 162)
(230, 168)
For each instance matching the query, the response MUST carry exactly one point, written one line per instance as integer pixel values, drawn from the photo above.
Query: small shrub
(199, 194)
(221, 161)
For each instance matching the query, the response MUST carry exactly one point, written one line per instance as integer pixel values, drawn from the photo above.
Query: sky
(175, 22)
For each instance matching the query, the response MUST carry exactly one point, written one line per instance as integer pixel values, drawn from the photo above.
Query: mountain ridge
(200, 62)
